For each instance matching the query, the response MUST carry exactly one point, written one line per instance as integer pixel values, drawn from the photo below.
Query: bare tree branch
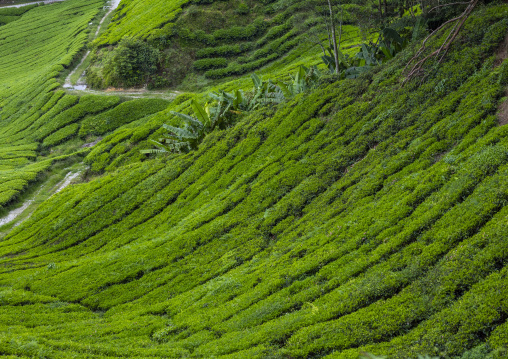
(441, 52)
(451, 4)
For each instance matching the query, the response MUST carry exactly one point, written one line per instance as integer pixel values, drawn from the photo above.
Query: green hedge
(88, 104)
(360, 216)
(122, 114)
(5, 19)
(61, 135)
(225, 50)
(13, 11)
(211, 63)
(237, 33)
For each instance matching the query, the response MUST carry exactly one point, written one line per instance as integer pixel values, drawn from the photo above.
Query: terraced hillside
(360, 216)
(36, 116)
(213, 39)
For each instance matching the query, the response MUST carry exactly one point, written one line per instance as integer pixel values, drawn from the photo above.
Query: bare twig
(441, 52)
(451, 4)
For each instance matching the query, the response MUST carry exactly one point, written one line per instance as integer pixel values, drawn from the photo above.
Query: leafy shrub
(5, 19)
(224, 50)
(236, 33)
(131, 63)
(242, 9)
(13, 11)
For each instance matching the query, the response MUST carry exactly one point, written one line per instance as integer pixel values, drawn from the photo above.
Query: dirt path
(31, 3)
(17, 212)
(81, 84)
(69, 177)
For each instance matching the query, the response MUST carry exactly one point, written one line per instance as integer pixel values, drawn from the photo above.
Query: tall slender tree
(334, 37)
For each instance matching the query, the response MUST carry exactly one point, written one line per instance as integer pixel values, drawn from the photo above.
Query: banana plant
(232, 102)
(389, 44)
(303, 80)
(190, 136)
(329, 60)
(265, 92)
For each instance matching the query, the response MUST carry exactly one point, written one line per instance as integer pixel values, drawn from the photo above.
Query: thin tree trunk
(334, 38)
(328, 31)
(340, 27)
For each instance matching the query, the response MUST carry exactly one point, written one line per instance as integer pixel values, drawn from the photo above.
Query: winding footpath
(80, 84)
(31, 3)
(80, 87)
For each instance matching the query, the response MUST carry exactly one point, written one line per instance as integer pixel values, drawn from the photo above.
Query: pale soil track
(30, 3)
(82, 86)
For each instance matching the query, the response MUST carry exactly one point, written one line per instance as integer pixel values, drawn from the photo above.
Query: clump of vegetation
(131, 63)
(8, 15)
(226, 106)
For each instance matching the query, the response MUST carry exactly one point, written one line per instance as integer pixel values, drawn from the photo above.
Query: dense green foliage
(122, 114)
(8, 15)
(131, 63)
(214, 38)
(354, 217)
(141, 18)
(33, 50)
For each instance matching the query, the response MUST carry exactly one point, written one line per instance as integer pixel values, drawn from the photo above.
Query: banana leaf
(286, 90)
(200, 112)
(182, 133)
(256, 80)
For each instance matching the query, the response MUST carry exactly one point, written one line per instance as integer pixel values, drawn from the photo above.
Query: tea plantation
(361, 216)
(213, 39)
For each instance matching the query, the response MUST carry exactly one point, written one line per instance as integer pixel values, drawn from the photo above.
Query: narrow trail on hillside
(81, 85)
(15, 213)
(46, 2)
(69, 177)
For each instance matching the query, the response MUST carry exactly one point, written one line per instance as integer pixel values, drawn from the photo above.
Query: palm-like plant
(264, 93)
(190, 136)
(389, 44)
(225, 106)
(205, 120)
(303, 81)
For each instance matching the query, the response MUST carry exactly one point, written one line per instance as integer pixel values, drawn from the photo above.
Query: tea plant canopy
(312, 215)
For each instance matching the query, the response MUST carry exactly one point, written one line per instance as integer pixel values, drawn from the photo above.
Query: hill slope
(359, 217)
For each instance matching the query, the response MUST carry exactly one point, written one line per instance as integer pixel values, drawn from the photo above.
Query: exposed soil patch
(67, 180)
(438, 157)
(502, 113)
(91, 144)
(502, 52)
